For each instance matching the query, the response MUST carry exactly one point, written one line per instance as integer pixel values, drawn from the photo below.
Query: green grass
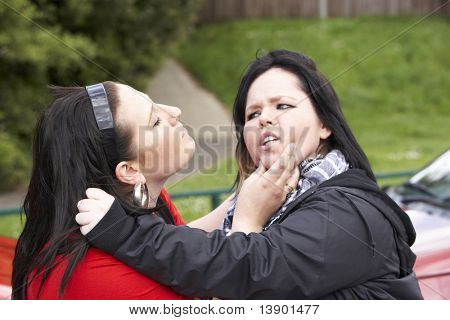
(397, 101)
(221, 176)
(10, 225)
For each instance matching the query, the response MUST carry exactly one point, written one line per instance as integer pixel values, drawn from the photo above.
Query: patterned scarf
(312, 172)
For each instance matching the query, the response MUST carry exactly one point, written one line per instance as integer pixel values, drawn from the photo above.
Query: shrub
(74, 42)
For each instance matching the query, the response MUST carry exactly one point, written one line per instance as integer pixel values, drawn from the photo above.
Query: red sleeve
(173, 210)
(101, 276)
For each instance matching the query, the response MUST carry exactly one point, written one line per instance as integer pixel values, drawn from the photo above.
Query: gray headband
(103, 116)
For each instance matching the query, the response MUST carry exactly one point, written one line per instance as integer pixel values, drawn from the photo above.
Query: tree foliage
(74, 42)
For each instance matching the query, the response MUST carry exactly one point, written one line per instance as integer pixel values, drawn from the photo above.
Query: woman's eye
(283, 106)
(252, 115)
(158, 121)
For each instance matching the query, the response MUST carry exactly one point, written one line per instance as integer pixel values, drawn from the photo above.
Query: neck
(154, 190)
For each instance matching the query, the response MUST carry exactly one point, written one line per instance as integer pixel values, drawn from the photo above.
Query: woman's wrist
(243, 223)
(246, 228)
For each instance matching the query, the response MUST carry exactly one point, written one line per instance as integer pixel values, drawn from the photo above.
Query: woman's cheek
(309, 144)
(151, 162)
(251, 139)
(156, 153)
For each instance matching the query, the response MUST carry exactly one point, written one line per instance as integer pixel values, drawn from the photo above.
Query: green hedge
(74, 43)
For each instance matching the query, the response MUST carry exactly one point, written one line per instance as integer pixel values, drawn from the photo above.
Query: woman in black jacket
(337, 235)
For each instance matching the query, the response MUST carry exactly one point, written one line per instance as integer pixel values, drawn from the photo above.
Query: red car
(432, 248)
(426, 198)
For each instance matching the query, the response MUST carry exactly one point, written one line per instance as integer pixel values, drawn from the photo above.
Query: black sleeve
(294, 259)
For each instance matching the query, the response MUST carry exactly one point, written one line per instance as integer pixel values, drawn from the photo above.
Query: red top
(101, 276)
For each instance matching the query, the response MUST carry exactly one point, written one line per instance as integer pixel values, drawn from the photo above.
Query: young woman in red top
(104, 138)
(101, 276)
(90, 137)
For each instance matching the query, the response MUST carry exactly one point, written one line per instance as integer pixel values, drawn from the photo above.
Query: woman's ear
(127, 173)
(325, 132)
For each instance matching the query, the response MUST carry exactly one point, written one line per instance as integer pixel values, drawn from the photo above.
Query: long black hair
(323, 98)
(68, 158)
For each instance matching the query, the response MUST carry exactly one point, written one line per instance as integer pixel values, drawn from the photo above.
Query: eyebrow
(272, 99)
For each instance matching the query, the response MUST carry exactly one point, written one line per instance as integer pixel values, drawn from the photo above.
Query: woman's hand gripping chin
(264, 191)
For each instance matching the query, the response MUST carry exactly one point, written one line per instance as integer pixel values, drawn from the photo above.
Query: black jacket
(343, 239)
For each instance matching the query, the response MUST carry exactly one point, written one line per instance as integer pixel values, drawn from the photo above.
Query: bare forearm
(212, 220)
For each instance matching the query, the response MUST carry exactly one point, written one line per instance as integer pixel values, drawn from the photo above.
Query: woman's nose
(267, 118)
(173, 112)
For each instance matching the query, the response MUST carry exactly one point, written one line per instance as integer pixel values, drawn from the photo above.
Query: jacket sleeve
(294, 259)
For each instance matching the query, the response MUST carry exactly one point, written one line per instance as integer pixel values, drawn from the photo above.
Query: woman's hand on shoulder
(264, 191)
(93, 209)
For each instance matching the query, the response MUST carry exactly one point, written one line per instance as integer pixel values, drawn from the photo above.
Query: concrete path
(207, 120)
(174, 86)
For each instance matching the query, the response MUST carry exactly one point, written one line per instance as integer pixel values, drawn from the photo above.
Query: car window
(436, 177)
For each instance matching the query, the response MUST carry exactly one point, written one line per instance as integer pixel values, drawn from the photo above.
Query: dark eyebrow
(251, 107)
(277, 98)
(273, 99)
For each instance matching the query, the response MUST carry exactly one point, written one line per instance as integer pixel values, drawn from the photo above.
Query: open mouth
(267, 140)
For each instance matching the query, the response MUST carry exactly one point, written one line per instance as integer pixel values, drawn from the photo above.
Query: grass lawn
(397, 101)
(221, 177)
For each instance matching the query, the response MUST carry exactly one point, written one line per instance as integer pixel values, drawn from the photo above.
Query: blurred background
(388, 61)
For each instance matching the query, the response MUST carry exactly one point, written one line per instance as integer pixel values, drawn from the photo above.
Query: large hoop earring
(140, 195)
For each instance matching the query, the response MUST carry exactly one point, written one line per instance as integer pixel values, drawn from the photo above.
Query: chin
(187, 153)
(268, 161)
